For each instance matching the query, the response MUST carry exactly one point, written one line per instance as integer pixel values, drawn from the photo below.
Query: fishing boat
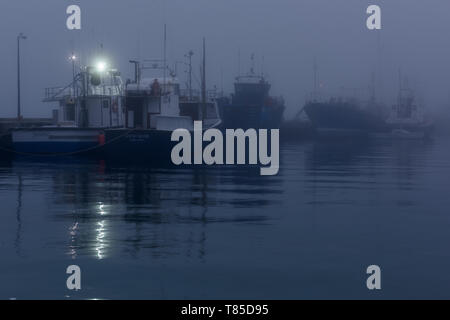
(349, 117)
(88, 105)
(155, 107)
(344, 117)
(251, 105)
(408, 119)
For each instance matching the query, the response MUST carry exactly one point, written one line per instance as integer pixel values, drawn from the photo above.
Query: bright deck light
(101, 66)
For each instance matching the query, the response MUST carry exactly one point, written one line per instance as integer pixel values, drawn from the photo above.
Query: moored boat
(88, 105)
(251, 105)
(341, 117)
(409, 120)
(154, 108)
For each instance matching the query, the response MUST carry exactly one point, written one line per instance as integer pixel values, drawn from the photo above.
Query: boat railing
(58, 93)
(195, 95)
(104, 91)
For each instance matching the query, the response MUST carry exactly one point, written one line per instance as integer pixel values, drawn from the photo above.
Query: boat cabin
(156, 103)
(92, 100)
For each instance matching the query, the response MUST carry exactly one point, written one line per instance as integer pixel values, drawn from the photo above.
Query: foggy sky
(289, 34)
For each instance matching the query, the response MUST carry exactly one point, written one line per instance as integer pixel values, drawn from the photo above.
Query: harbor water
(335, 208)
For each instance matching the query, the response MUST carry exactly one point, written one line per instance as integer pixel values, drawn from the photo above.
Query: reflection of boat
(86, 106)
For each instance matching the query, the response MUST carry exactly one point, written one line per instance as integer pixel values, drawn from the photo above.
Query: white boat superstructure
(157, 103)
(154, 108)
(88, 105)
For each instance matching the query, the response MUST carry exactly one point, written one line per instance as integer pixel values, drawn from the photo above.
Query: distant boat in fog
(408, 119)
(337, 117)
(344, 117)
(251, 105)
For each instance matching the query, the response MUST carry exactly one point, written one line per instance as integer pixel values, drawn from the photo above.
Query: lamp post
(73, 58)
(19, 37)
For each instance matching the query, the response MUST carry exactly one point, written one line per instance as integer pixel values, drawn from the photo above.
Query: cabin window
(105, 103)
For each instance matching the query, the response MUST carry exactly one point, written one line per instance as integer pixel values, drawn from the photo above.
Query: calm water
(310, 232)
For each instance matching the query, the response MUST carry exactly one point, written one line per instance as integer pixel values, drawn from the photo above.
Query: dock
(8, 123)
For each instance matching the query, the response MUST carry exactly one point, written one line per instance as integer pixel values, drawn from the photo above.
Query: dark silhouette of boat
(251, 105)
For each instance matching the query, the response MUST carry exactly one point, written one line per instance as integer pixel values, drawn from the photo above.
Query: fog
(286, 37)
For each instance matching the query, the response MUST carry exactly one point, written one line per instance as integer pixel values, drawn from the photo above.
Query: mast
(262, 67)
(315, 80)
(372, 86)
(380, 66)
(204, 80)
(189, 56)
(204, 74)
(221, 81)
(239, 62)
(252, 69)
(165, 46)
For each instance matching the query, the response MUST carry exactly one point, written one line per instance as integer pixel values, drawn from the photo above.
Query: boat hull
(138, 145)
(343, 117)
(241, 116)
(55, 141)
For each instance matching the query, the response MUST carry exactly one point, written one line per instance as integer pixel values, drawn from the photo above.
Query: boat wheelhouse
(408, 119)
(154, 108)
(251, 105)
(88, 105)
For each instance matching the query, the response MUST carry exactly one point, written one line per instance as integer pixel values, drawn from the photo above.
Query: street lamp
(73, 58)
(21, 36)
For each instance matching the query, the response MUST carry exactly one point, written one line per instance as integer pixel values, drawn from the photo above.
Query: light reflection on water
(334, 208)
